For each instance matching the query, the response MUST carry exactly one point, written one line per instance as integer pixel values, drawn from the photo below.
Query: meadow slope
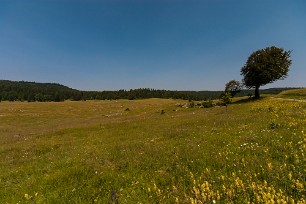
(128, 152)
(293, 94)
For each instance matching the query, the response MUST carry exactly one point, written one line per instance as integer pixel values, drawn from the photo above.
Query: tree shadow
(249, 99)
(244, 100)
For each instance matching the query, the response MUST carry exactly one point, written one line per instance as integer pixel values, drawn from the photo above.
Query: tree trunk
(257, 92)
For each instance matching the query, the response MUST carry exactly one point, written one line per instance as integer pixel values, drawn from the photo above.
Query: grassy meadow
(152, 151)
(294, 94)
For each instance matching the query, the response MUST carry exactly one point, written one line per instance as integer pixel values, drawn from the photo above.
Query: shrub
(191, 104)
(225, 99)
(207, 104)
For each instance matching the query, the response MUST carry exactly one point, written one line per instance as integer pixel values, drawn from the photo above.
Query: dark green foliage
(233, 87)
(265, 66)
(207, 104)
(31, 91)
(191, 104)
(248, 92)
(200, 95)
(225, 98)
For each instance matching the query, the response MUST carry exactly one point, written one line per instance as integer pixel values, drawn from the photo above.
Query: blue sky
(162, 44)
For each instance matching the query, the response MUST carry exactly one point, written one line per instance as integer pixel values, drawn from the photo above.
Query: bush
(191, 104)
(207, 104)
(225, 99)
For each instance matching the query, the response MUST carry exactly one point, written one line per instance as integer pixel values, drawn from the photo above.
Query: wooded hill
(33, 91)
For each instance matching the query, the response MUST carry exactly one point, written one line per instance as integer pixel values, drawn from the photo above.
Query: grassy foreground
(128, 152)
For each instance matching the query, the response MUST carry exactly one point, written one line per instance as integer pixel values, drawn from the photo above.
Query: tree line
(43, 92)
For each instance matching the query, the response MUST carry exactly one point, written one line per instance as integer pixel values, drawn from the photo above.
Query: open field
(294, 94)
(100, 152)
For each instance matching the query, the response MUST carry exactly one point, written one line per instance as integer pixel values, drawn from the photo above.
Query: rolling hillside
(295, 94)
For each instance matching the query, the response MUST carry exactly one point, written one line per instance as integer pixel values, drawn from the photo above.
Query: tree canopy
(265, 66)
(233, 87)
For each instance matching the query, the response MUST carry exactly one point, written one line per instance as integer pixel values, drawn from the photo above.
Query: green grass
(98, 152)
(294, 94)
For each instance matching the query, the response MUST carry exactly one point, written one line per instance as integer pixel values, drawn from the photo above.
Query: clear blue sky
(162, 44)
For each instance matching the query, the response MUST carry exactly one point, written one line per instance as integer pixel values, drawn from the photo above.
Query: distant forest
(43, 92)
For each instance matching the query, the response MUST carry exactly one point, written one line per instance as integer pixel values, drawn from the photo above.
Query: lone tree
(225, 99)
(265, 66)
(233, 87)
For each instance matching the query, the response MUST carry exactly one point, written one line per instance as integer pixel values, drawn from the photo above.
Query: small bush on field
(162, 112)
(191, 104)
(207, 104)
(225, 98)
